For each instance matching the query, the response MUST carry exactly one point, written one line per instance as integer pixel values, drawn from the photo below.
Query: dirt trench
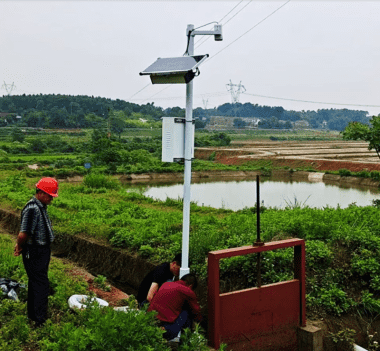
(123, 269)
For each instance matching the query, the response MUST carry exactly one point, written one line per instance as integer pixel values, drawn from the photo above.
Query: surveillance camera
(218, 32)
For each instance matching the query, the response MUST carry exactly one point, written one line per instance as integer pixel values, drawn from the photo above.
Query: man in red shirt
(177, 305)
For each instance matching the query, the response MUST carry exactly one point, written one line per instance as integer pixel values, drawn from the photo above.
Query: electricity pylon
(205, 102)
(235, 90)
(9, 87)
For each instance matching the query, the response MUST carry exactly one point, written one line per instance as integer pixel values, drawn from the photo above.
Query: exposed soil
(114, 297)
(322, 156)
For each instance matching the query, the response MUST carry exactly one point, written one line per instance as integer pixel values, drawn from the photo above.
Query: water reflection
(281, 193)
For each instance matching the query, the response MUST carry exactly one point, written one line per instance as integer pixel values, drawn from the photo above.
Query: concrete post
(310, 338)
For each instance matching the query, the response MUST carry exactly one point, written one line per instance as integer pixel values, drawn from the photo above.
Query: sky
(301, 55)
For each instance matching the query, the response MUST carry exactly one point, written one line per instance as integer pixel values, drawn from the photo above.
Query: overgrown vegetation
(343, 245)
(93, 328)
(64, 156)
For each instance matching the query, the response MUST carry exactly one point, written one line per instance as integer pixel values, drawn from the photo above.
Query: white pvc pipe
(358, 348)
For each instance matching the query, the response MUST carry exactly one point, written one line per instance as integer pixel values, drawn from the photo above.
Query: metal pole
(258, 207)
(187, 173)
(258, 239)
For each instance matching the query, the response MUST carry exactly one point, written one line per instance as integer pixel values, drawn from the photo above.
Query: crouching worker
(177, 305)
(164, 272)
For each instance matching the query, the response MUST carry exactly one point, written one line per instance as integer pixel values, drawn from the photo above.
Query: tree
(199, 124)
(37, 145)
(239, 123)
(17, 135)
(360, 131)
(116, 124)
(288, 125)
(221, 138)
(58, 117)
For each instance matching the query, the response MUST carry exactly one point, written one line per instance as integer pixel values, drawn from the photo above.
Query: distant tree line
(67, 111)
(279, 118)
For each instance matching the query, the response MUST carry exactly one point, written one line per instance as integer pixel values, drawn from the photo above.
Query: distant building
(227, 123)
(301, 124)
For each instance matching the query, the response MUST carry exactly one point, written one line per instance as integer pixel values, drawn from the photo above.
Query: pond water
(237, 195)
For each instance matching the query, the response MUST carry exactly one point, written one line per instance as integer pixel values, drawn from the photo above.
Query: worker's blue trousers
(172, 329)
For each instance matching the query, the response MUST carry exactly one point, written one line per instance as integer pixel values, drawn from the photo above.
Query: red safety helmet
(48, 186)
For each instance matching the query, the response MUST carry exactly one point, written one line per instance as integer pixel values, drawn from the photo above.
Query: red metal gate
(263, 318)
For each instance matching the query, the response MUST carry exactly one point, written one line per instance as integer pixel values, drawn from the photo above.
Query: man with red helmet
(33, 242)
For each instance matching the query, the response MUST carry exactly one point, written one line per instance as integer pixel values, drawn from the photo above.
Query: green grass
(93, 328)
(36, 158)
(153, 229)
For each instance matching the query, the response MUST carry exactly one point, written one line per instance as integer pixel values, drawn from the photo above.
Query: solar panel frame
(174, 65)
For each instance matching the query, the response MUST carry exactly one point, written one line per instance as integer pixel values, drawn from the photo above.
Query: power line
(181, 97)
(158, 92)
(238, 12)
(231, 11)
(200, 40)
(237, 38)
(215, 94)
(311, 102)
(208, 37)
(139, 91)
(249, 30)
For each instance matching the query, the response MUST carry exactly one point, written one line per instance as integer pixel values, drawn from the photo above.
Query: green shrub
(344, 339)
(193, 340)
(107, 329)
(375, 175)
(366, 263)
(369, 303)
(100, 282)
(344, 172)
(332, 299)
(146, 251)
(318, 255)
(98, 180)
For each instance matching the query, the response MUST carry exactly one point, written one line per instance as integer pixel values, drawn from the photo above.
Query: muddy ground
(322, 156)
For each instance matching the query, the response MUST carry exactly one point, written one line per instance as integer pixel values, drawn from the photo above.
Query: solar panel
(174, 69)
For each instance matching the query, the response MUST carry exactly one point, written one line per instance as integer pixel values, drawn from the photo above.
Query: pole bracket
(182, 120)
(259, 243)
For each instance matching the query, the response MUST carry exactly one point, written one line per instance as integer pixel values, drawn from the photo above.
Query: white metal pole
(187, 172)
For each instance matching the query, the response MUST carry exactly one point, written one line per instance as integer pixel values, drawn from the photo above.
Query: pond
(237, 195)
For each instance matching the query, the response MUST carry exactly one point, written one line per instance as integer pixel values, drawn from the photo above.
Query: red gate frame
(227, 304)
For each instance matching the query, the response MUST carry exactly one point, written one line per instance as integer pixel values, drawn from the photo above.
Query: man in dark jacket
(33, 242)
(154, 279)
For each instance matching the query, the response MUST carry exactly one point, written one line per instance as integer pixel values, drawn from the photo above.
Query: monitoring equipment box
(173, 139)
